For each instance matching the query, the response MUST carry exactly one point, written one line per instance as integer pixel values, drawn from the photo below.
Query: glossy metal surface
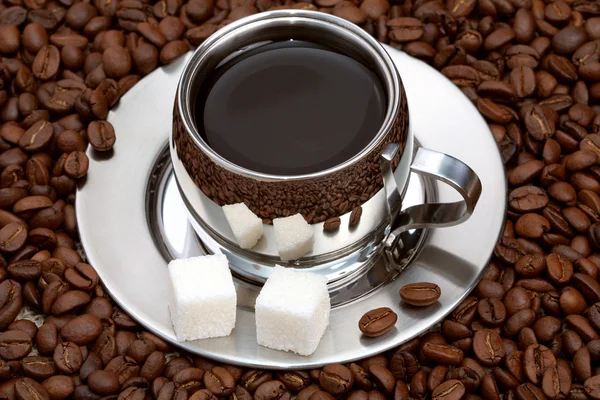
(436, 165)
(209, 217)
(114, 229)
(349, 278)
(197, 166)
(379, 212)
(261, 28)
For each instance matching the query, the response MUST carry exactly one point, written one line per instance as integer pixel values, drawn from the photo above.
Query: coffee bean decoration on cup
(529, 330)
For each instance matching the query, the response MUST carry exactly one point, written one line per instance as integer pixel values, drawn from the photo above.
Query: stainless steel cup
(375, 178)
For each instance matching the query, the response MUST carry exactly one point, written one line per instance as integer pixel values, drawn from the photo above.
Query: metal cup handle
(435, 165)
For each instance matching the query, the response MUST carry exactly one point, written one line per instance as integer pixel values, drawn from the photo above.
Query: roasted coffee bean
(519, 320)
(219, 381)
(271, 390)
(587, 286)
(46, 63)
(361, 377)
(12, 237)
(557, 382)
(92, 363)
(117, 61)
(551, 303)
(153, 366)
(70, 301)
(34, 37)
(450, 389)
(38, 368)
(488, 288)
(14, 345)
(26, 388)
(536, 360)
(103, 382)
(529, 391)
(492, 311)
(68, 357)
(582, 326)
(403, 365)
(489, 387)
(76, 164)
(377, 322)
(172, 51)
(526, 337)
(559, 268)
(528, 198)
(539, 122)
(252, 379)
(203, 394)
(336, 379)
(332, 224)
(529, 266)
(59, 387)
(488, 348)
(189, 379)
(443, 354)
(82, 330)
(420, 294)
(504, 379)
(418, 385)
(436, 377)
(563, 192)
(177, 364)
(308, 391)
(46, 338)
(82, 277)
(592, 387)
(383, 378)
(582, 364)
(532, 226)
(125, 368)
(523, 81)
(124, 340)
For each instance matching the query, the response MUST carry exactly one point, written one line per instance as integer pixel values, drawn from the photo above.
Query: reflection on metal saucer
(132, 220)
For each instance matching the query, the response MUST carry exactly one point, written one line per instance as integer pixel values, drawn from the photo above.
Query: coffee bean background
(529, 330)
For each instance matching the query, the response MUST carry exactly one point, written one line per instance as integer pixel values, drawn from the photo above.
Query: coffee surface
(290, 108)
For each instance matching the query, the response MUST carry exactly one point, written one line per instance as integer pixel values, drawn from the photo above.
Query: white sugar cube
(202, 297)
(246, 226)
(294, 237)
(292, 311)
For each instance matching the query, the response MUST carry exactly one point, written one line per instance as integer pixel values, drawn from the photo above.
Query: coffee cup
(375, 177)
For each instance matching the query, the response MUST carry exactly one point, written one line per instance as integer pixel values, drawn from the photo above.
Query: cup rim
(193, 66)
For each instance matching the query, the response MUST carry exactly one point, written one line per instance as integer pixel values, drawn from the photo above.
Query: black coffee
(290, 108)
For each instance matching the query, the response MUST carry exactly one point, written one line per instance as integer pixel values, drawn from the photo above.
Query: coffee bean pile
(530, 329)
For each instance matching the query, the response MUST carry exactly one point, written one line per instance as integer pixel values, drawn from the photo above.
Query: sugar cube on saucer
(292, 311)
(246, 226)
(202, 297)
(294, 237)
